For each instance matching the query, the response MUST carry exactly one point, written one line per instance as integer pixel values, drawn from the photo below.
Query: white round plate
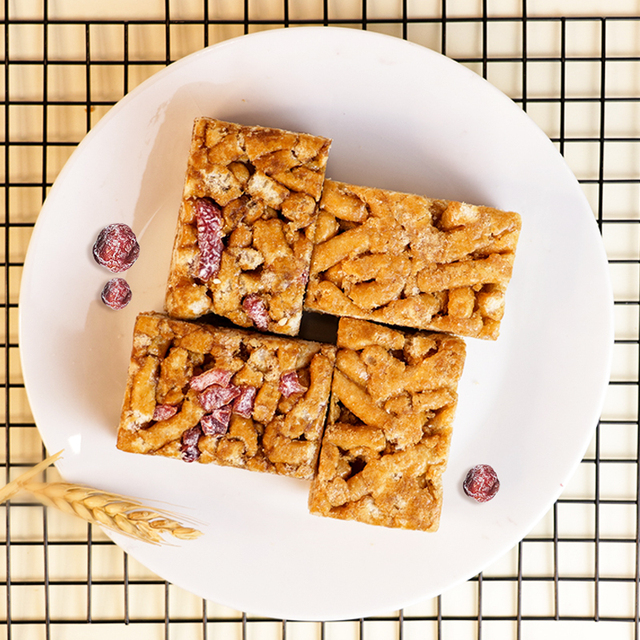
(401, 117)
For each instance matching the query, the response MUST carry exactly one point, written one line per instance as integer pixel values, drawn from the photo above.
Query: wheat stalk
(118, 513)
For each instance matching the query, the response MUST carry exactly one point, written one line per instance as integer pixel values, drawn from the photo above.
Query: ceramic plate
(401, 117)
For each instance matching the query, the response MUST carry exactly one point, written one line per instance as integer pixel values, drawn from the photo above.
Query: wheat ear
(118, 513)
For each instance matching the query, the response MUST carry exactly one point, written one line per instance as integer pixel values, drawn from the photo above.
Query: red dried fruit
(243, 404)
(214, 397)
(221, 377)
(189, 449)
(216, 423)
(256, 309)
(191, 436)
(116, 294)
(210, 246)
(481, 483)
(303, 278)
(290, 384)
(189, 454)
(164, 411)
(116, 247)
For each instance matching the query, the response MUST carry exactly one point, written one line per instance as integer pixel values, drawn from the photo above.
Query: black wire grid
(45, 91)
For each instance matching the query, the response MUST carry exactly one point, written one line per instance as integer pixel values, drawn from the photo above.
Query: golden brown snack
(246, 225)
(388, 433)
(411, 261)
(229, 396)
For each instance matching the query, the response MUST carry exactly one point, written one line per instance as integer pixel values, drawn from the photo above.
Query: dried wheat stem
(111, 510)
(118, 513)
(14, 486)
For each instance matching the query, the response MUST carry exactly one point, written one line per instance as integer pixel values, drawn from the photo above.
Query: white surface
(404, 118)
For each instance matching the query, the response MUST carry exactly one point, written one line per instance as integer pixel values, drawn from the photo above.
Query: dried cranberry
(243, 404)
(189, 453)
(189, 449)
(221, 377)
(214, 397)
(210, 246)
(191, 436)
(116, 247)
(303, 278)
(116, 293)
(481, 483)
(164, 411)
(256, 309)
(290, 384)
(216, 423)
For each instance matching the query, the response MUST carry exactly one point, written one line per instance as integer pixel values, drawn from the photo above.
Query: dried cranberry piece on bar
(164, 412)
(290, 384)
(216, 422)
(209, 233)
(215, 397)
(220, 377)
(256, 311)
(243, 404)
(386, 444)
(246, 225)
(196, 392)
(189, 451)
(412, 261)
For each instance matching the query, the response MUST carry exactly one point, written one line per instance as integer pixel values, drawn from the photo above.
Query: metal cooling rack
(578, 77)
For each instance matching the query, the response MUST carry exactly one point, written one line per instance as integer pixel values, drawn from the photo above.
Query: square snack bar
(386, 443)
(412, 261)
(228, 396)
(246, 225)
